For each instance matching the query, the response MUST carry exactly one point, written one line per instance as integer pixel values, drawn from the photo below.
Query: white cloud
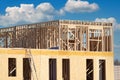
(27, 13)
(116, 25)
(78, 6)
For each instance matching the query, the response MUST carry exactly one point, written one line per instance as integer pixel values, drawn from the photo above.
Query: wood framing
(59, 34)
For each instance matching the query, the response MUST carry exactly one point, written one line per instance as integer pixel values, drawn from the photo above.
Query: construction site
(57, 50)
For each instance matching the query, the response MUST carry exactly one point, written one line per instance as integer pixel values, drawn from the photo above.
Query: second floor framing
(62, 34)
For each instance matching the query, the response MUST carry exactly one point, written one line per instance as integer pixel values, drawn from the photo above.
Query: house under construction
(57, 50)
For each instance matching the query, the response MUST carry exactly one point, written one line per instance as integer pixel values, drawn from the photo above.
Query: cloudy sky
(16, 12)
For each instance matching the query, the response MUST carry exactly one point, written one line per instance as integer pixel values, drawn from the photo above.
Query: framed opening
(66, 69)
(26, 69)
(12, 67)
(102, 70)
(89, 69)
(52, 69)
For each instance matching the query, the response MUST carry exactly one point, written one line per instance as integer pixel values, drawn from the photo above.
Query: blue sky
(16, 12)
